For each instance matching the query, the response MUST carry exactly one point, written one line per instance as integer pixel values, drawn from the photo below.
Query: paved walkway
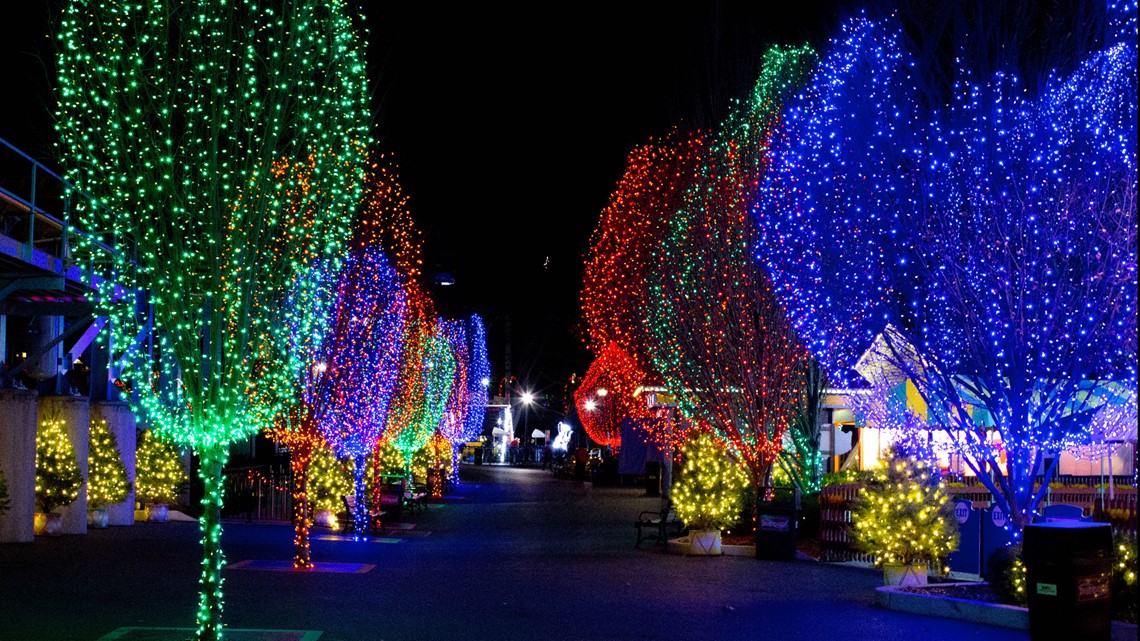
(516, 554)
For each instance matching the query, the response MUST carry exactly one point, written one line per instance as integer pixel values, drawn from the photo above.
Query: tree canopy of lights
(425, 381)
(466, 403)
(615, 293)
(709, 490)
(107, 481)
(721, 340)
(904, 515)
(354, 378)
(998, 242)
(58, 478)
(478, 378)
(177, 119)
(605, 396)
(427, 363)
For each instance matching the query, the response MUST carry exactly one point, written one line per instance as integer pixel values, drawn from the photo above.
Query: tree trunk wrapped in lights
(721, 339)
(176, 118)
(987, 252)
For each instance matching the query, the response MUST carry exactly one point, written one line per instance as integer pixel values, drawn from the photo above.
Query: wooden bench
(375, 520)
(415, 498)
(657, 525)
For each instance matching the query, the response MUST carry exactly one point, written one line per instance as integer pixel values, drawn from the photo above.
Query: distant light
(320, 368)
(590, 405)
(443, 279)
(602, 391)
(485, 381)
(527, 398)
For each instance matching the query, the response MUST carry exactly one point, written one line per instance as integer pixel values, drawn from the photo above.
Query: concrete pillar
(75, 411)
(18, 462)
(121, 422)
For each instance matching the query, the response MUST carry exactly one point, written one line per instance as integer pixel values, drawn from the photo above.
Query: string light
(983, 250)
(58, 478)
(196, 132)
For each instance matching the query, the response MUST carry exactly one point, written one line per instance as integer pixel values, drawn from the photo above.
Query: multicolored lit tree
(1000, 234)
(427, 364)
(453, 422)
(615, 294)
(425, 381)
(721, 339)
(177, 120)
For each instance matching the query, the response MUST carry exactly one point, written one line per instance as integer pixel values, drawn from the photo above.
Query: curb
(1005, 616)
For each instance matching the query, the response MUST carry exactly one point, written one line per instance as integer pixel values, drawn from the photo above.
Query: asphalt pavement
(510, 554)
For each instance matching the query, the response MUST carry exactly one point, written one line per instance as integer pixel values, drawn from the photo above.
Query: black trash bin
(652, 478)
(478, 455)
(1068, 575)
(777, 520)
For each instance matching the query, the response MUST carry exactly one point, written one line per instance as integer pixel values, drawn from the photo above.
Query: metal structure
(48, 322)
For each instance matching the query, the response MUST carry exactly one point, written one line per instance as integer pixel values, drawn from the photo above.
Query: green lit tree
(107, 481)
(224, 144)
(159, 473)
(800, 458)
(58, 479)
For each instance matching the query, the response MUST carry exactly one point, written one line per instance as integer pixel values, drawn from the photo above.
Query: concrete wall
(18, 462)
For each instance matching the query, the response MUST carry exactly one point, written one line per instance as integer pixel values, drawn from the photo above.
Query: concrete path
(515, 554)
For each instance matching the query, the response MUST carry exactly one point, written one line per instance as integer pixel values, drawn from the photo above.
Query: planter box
(941, 605)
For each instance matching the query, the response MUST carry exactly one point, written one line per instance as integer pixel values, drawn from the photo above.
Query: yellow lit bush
(707, 493)
(904, 515)
(159, 476)
(107, 481)
(58, 479)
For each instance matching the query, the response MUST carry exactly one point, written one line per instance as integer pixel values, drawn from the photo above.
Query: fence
(836, 501)
(259, 493)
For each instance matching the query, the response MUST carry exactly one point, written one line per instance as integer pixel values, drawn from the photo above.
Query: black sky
(511, 125)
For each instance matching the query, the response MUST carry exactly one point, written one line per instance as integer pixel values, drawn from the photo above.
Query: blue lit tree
(989, 245)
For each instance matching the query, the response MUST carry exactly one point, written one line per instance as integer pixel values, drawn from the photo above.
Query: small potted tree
(159, 476)
(707, 494)
(58, 479)
(107, 481)
(904, 517)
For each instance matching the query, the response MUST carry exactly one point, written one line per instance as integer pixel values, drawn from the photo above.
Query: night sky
(511, 128)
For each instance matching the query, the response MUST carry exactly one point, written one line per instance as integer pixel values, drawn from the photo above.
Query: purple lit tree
(351, 385)
(989, 246)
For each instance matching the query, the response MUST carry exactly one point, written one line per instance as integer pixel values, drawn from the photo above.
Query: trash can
(652, 478)
(478, 456)
(777, 519)
(1068, 575)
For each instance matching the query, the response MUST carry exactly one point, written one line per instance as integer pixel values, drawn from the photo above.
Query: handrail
(36, 212)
